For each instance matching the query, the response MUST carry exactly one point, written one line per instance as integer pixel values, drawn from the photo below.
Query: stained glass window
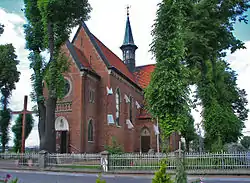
(90, 131)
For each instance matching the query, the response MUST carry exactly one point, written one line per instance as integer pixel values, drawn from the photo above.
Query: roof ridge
(98, 49)
(111, 52)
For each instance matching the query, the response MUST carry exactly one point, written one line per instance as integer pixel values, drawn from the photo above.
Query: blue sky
(109, 27)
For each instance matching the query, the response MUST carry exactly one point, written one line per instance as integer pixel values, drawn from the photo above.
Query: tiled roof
(140, 78)
(143, 74)
(115, 61)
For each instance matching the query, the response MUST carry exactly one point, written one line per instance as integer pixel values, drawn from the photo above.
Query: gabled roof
(140, 78)
(115, 61)
(109, 58)
(80, 60)
(143, 74)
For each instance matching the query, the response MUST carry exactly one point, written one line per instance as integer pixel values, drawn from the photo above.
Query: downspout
(107, 107)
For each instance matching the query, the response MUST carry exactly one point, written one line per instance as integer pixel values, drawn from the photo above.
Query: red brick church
(103, 98)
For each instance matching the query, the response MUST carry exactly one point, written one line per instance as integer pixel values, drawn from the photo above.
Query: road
(54, 177)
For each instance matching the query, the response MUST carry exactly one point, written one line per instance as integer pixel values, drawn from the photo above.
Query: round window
(66, 87)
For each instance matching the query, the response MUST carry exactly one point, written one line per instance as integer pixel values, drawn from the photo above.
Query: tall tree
(9, 75)
(50, 23)
(188, 130)
(210, 32)
(224, 116)
(17, 130)
(167, 93)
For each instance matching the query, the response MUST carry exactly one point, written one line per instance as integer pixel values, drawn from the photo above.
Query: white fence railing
(82, 161)
(238, 162)
(17, 159)
(192, 161)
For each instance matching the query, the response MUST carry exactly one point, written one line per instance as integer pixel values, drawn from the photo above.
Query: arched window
(131, 109)
(118, 106)
(90, 131)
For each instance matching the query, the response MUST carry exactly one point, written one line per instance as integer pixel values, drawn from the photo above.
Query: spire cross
(128, 7)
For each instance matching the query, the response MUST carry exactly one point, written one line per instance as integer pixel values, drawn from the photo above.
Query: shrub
(114, 148)
(98, 180)
(161, 176)
(181, 176)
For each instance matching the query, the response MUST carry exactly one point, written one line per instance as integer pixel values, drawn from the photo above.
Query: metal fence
(74, 161)
(11, 160)
(195, 163)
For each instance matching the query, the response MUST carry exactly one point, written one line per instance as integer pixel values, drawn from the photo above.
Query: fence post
(105, 161)
(179, 153)
(42, 159)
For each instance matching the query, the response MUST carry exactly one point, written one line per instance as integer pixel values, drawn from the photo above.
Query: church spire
(128, 48)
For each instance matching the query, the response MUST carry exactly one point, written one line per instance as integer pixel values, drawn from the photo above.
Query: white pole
(157, 137)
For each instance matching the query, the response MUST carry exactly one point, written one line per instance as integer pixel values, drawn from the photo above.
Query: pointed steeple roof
(128, 38)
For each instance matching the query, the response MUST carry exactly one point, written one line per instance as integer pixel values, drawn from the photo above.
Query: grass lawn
(96, 167)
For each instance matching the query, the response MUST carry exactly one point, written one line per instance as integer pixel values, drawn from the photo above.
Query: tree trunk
(50, 134)
(187, 145)
(41, 124)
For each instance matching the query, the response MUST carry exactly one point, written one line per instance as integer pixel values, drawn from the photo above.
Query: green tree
(50, 23)
(188, 130)
(245, 142)
(209, 34)
(9, 75)
(181, 176)
(167, 93)
(17, 130)
(225, 115)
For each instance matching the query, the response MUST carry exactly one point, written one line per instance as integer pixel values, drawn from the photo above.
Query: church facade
(104, 98)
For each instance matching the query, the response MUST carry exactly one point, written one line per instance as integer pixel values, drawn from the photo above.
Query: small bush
(114, 148)
(98, 180)
(161, 176)
(181, 176)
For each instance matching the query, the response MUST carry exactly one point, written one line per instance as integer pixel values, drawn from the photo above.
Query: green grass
(154, 164)
(96, 167)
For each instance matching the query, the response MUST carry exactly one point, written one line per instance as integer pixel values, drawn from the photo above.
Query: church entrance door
(145, 140)
(62, 128)
(64, 142)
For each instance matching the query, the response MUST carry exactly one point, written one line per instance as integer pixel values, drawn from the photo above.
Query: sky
(107, 22)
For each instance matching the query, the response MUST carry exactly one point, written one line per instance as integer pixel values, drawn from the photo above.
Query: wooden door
(63, 147)
(145, 143)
